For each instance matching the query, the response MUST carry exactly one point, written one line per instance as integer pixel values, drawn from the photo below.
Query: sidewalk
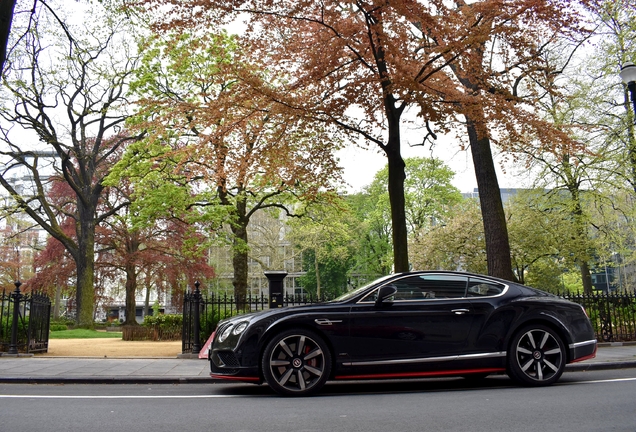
(93, 370)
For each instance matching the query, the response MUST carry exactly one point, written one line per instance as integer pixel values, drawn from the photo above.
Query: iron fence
(24, 321)
(613, 315)
(213, 308)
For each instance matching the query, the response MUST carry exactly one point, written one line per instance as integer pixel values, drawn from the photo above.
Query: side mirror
(385, 293)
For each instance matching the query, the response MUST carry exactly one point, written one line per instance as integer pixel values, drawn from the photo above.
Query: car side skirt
(457, 372)
(427, 359)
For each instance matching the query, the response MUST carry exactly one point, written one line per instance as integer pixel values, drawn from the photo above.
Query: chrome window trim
(504, 291)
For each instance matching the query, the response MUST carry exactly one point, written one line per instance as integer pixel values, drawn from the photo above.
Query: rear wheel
(537, 356)
(296, 362)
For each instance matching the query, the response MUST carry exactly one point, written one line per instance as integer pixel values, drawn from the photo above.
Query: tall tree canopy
(216, 145)
(65, 110)
(363, 64)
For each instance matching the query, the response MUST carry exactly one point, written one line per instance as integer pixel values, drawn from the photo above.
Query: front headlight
(226, 332)
(240, 328)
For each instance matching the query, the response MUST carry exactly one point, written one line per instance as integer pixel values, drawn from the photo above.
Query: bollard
(196, 346)
(276, 288)
(13, 348)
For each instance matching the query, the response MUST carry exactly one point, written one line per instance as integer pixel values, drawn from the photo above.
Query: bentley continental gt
(407, 325)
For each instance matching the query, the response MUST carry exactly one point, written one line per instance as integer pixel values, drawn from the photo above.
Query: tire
(536, 356)
(296, 363)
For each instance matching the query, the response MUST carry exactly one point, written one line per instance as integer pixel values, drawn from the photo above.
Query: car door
(429, 318)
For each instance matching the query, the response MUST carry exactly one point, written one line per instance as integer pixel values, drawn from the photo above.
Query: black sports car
(418, 324)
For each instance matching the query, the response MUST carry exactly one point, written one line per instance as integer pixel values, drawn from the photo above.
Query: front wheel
(296, 363)
(537, 356)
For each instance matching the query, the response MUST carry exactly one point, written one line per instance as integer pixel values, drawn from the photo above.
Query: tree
(457, 244)
(373, 257)
(70, 95)
(54, 269)
(362, 65)
(615, 46)
(152, 249)
(428, 192)
(430, 198)
(6, 18)
(216, 146)
(327, 235)
(502, 74)
(592, 175)
(543, 237)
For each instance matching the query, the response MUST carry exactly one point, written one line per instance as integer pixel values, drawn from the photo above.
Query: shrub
(163, 321)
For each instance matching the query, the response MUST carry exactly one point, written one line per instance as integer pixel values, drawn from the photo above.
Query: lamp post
(628, 75)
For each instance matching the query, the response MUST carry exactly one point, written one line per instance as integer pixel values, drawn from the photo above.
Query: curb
(615, 344)
(582, 367)
(110, 380)
(574, 367)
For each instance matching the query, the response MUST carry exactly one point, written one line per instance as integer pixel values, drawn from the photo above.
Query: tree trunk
(147, 301)
(58, 299)
(85, 262)
(397, 176)
(7, 8)
(239, 264)
(131, 291)
(317, 275)
(581, 231)
(494, 219)
(239, 253)
(85, 293)
(586, 277)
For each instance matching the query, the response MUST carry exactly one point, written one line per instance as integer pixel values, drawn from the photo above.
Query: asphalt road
(581, 401)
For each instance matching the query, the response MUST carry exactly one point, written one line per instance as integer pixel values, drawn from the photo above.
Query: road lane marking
(120, 397)
(605, 381)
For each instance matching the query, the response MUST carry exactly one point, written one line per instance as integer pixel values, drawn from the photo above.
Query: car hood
(268, 313)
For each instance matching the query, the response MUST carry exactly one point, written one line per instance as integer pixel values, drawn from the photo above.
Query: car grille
(228, 358)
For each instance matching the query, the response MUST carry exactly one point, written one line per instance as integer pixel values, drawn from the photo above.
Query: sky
(360, 165)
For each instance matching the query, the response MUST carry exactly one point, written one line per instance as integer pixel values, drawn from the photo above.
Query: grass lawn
(82, 334)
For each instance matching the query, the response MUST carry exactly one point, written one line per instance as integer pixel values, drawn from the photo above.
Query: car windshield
(351, 294)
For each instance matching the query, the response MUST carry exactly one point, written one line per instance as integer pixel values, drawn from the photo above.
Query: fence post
(13, 347)
(196, 346)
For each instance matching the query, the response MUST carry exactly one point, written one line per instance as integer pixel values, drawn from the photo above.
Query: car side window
(433, 286)
(484, 288)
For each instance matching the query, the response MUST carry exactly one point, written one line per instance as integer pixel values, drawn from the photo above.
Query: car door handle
(325, 321)
(460, 311)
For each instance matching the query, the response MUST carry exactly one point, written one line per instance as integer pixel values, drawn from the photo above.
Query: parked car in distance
(407, 325)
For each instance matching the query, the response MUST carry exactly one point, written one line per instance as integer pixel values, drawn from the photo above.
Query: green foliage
(373, 253)
(212, 318)
(458, 244)
(7, 323)
(428, 192)
(334, 275)
(83, 334)
(62, 322)
(547, 275)
(164, 321)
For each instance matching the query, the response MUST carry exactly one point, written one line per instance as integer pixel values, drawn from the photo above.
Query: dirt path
(111, 348)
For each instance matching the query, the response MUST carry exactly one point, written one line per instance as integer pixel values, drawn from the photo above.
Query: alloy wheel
(296, 363)
(539, 356)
